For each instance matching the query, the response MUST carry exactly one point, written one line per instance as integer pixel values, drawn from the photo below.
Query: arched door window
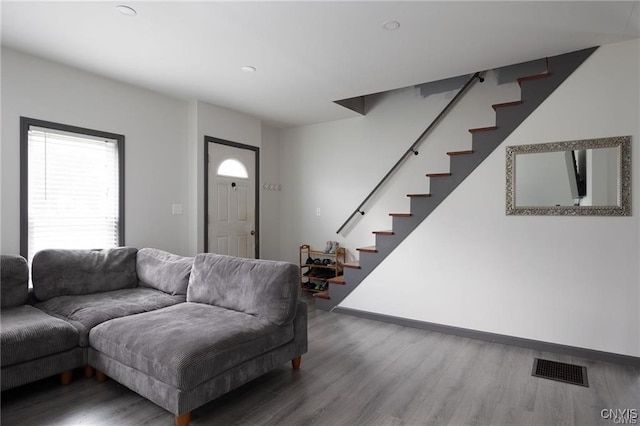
(232, 168)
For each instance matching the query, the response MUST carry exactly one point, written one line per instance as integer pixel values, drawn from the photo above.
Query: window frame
(25, 124)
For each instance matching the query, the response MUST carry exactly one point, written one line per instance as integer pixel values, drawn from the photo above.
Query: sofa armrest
(14, 280)
(264, 288)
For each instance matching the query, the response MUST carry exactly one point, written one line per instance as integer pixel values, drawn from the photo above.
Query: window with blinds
(73, 188)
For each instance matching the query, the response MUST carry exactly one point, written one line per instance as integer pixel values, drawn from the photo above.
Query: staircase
(534, 90)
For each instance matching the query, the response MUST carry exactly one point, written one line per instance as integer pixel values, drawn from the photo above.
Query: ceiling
(307, 54)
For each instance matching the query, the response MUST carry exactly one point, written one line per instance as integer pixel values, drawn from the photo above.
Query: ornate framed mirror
(589, 177)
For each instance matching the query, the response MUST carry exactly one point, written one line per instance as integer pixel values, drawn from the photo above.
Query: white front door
(231, 198)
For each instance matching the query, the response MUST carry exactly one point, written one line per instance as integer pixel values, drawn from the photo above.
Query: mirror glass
(587, 177)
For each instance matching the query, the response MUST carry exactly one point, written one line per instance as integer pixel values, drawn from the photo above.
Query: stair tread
(533, 77)
(322, 294)
(385, 232)
(469, 151)
(370, 249)
(400, 214)
(438, 174)
(506, 104)
(352, 265)
(483, 129)
(336, 280)
(418, 195)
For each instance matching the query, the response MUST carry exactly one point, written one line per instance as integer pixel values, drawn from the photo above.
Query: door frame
(256, 151)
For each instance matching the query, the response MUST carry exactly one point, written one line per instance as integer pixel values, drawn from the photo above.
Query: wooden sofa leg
(89, 371)
(100, 376)
(65, 377)
(183, 419)
(295, 363)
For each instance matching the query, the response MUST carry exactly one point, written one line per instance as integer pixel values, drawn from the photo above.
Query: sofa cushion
(14, 281)
(187, 344)
(264, 288)
(163, 271)
(87, 311)
(58, 272)
(28, 334)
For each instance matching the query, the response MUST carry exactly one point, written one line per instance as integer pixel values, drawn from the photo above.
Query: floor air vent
(567, 373)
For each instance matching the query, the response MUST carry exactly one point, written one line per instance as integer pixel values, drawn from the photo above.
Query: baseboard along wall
(496, 338)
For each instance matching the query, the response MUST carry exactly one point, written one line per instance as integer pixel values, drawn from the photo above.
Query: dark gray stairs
(534, 90)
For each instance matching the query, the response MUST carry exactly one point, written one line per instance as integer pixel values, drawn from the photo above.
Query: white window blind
(73, 191)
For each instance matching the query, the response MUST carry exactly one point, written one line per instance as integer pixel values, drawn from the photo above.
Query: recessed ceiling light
(391, 25)
(126, 10)
(248, 68)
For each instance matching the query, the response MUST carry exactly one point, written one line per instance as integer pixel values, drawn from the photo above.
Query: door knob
(253, 232)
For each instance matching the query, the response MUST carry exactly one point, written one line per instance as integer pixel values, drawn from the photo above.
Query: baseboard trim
(497, 338)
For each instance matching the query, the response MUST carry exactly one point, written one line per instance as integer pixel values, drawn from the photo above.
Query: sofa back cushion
(163, 271)
(14, 280)
(264, 288)
(60, 272)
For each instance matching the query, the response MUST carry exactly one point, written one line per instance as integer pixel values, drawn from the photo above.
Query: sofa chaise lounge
(179, 331)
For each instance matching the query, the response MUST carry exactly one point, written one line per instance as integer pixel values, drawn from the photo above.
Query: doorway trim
(256, 151)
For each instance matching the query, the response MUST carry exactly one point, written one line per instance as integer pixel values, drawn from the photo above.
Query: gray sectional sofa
(33, 345)
(179, 331)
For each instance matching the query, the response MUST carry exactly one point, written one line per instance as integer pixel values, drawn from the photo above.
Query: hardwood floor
(360, 372)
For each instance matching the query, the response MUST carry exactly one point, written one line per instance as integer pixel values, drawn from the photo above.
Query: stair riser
(481, 139)
(354, 276)
(367, 262)
(509, 118)
(387, 243)
(422, 205)
(421, 209)
(536, 91)
(441, 187)
(560, 67)
(462, 166)
(339, 292)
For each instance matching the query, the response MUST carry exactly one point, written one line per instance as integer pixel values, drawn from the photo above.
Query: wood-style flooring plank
(359, 372)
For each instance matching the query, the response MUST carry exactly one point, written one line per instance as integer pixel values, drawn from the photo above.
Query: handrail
(412, 148)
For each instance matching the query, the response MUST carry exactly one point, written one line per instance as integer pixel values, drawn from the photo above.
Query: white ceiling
(307, 54)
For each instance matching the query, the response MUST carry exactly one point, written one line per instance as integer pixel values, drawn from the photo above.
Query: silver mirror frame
(623, 143)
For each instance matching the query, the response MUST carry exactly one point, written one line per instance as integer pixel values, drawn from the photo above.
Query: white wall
(566, 280)
(164, 149)
(467, 265)
(333, 166)
(221, 123)
(155, 129)
(572, 281)
(270, 198)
